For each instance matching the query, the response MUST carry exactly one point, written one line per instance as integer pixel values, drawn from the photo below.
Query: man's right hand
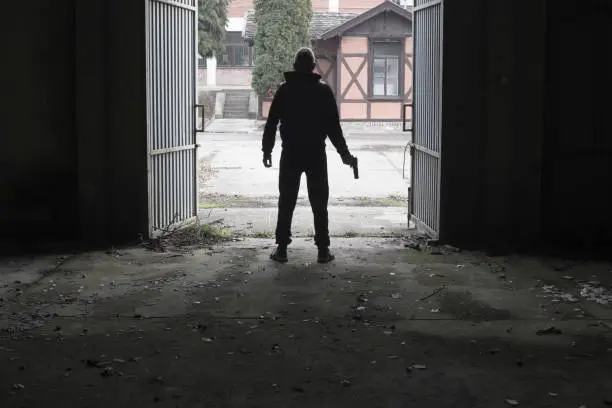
(348, 159)
(267, 160)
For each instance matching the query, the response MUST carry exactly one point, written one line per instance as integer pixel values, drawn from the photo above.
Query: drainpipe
(334, 6)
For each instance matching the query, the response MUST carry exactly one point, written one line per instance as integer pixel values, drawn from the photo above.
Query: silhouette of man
(306, 108)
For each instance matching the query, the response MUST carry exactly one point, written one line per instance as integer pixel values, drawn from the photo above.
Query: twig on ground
(434, 293)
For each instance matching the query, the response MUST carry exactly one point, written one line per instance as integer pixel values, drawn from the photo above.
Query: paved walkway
(344, 221)
(233, 126)
(232, 177)
(256, 126)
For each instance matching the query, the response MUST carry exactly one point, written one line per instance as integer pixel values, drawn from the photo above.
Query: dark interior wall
(578, 156)
(463, 127)
(492, 123)
(127, 118)
(112, 120)
(73, 124)
(38, 144)
(514, 114)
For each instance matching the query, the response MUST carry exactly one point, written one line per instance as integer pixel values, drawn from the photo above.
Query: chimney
(334, 6)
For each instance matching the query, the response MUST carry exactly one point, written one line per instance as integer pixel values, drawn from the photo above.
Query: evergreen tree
(212, 19)
(283, 26)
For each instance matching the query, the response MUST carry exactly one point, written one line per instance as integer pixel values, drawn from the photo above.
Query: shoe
(279, 255)
(325, 256)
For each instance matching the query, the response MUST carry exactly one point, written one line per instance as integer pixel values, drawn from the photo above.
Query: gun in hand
(355, 167)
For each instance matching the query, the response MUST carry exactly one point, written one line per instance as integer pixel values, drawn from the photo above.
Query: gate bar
(177, 4)
(426, 5)
(174, 149)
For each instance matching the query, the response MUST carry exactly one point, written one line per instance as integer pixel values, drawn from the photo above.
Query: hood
(294, 76)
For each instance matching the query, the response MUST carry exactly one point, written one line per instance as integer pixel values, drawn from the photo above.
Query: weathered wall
(493, 123)
(578, 156)
(232, 76)
(208, 98)
(353, 72)
(112, 132)
(320, 5)
(74, 139)
(357, 6)
(526, 155)
(38, 145)
(326, 52)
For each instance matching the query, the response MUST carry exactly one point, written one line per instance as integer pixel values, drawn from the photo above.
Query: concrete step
(236, 104)
(226, 110)
(237, 98)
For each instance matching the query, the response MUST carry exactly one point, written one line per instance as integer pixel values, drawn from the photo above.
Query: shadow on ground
(383, 326)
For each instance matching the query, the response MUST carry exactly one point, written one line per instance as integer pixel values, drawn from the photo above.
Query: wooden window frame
(233, 65)
(401, 69)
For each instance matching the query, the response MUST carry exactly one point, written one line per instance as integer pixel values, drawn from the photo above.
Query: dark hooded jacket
(306, 108)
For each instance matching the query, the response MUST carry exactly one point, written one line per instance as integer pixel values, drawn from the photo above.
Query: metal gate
(171, 99)
(425, 146)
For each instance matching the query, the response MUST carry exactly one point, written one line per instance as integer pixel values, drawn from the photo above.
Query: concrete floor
(232, 174)
(383, 326)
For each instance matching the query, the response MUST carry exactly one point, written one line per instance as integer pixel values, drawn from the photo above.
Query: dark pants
(292, 165)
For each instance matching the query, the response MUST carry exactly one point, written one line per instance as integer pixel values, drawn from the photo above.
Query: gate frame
(434, 234)
(153, 231)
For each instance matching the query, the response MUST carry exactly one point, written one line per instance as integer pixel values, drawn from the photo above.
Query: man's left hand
(267, 160)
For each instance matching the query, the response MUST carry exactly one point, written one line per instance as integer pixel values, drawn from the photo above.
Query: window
(235, 55)
(385, 71)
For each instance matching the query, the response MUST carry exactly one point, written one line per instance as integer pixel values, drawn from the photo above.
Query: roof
(321, 22)
(386, 6)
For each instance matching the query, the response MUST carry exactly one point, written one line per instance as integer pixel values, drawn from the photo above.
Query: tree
(212, 19)
(283, 26)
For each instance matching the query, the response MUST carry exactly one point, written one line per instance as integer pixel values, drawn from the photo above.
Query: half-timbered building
(366, 58)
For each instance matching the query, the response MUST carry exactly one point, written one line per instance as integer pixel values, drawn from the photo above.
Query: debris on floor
(594, 292)
(301, 334)
(548, 331)
(557, 295)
